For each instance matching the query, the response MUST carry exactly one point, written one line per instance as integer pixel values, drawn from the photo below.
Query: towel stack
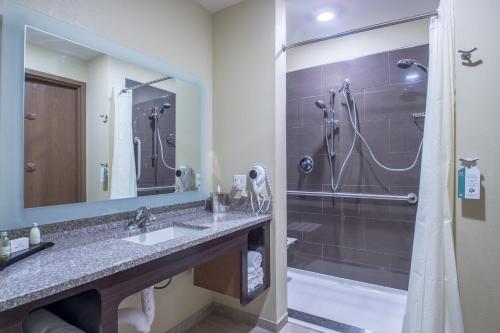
(255, 271)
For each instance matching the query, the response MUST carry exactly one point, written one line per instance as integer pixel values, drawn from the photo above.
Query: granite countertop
(82, 255)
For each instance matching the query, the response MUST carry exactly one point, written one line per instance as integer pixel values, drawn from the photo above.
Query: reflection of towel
(43, 321)
(255, 279)
(254, 259)
(123, 174)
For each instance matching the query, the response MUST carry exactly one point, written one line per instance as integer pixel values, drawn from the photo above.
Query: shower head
(320, 104)
(407, 63)
(346, 86)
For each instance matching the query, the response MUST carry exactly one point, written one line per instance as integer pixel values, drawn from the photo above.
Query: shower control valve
(306, 165)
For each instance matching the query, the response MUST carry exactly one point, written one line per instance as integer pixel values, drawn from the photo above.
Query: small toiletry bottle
(4, 246)
(34, 235)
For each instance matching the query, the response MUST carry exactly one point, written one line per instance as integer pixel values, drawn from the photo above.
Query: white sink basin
(162, 235)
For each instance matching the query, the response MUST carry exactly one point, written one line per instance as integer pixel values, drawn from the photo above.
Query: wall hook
(104, 118)
(467, 58)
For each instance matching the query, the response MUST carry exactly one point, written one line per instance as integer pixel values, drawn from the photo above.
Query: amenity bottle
(34, 235)
(4, 246)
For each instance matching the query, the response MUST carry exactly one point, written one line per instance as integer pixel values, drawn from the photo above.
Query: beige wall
(249, 120)
(358, 45)
(188, 126)
(177, 32)
(99, 140)
(48, 61)
(477, 134)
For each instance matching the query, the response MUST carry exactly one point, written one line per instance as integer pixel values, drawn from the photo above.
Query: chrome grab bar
(155, 188)
(137, 141)
(410, 197)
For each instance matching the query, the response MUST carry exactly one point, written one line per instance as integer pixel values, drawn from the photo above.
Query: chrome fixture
(171, 138)
(346, 87)
(329, 132)
(138, 143)
(145, 84)
(407, 63)
(306, 164)
(363, 29)
(155, 116)
(320, 104)
(141, 219)
(416, 116)
(466, 57)
(411, 198)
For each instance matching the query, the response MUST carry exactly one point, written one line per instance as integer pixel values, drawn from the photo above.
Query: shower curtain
(123, 174)
(433, 303)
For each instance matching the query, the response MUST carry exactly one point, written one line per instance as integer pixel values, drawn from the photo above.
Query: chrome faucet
(141, 219)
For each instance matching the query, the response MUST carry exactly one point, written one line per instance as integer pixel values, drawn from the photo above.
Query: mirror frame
(12, 212)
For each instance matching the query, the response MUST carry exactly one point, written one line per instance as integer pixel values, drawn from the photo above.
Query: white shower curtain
(123, 175)
(433, 304)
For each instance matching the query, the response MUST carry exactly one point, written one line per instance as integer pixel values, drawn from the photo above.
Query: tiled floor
(340, 302)
(217, 323)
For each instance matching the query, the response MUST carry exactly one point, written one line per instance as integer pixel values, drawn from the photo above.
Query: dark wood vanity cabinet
(228, 274)
(219, 265)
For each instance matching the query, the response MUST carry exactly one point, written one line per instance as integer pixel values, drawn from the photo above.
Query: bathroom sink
(162, 235)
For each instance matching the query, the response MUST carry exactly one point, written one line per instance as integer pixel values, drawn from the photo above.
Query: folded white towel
(255, 279)
(259, 271)
(254, 284)
(254, 259)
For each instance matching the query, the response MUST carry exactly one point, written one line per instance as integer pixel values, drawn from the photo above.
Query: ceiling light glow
(412, 77)
(325, 16)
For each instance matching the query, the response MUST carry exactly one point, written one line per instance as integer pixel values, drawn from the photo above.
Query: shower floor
(333, 304)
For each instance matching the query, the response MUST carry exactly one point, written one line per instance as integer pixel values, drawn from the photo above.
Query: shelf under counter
(228, 274)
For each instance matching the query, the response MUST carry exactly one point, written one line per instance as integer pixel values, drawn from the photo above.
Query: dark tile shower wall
(143, 100)
(365, 240)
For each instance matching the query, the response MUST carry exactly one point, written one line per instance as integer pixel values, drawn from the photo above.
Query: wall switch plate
(240, 182)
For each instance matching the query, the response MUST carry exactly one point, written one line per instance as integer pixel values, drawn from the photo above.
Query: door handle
(30, 116)
(30, 167)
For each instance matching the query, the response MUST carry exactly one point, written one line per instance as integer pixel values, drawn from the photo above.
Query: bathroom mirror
(93, 143)
(98, 128)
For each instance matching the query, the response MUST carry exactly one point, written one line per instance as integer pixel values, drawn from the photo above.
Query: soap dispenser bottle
(34, 235)
(4, 246)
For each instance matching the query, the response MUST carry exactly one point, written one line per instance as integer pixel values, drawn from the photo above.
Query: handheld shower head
(320, 104)
(407, 63)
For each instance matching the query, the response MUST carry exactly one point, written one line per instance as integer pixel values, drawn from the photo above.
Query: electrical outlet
(240, 182)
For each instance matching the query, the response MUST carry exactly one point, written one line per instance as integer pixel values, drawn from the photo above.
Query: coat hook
(104, 118)
(466, 57)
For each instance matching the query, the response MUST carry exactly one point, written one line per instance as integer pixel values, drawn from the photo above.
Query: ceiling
(60, 45)
(302, 23)
(216, 5)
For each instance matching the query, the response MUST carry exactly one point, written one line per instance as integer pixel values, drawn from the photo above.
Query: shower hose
(354, 124)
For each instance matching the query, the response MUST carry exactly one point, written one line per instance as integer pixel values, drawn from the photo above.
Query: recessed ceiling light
(325, 16)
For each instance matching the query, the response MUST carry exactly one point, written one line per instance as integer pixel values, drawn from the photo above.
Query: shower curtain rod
(358, 30)
(145, 84)
(410, 197)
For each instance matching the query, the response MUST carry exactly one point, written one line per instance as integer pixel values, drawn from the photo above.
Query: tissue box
(19, 244)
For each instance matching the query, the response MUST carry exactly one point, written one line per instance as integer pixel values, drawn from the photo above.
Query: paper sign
(469, 183)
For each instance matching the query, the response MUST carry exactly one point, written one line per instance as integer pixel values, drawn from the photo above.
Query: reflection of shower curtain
(123, 176)
(433, 303)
